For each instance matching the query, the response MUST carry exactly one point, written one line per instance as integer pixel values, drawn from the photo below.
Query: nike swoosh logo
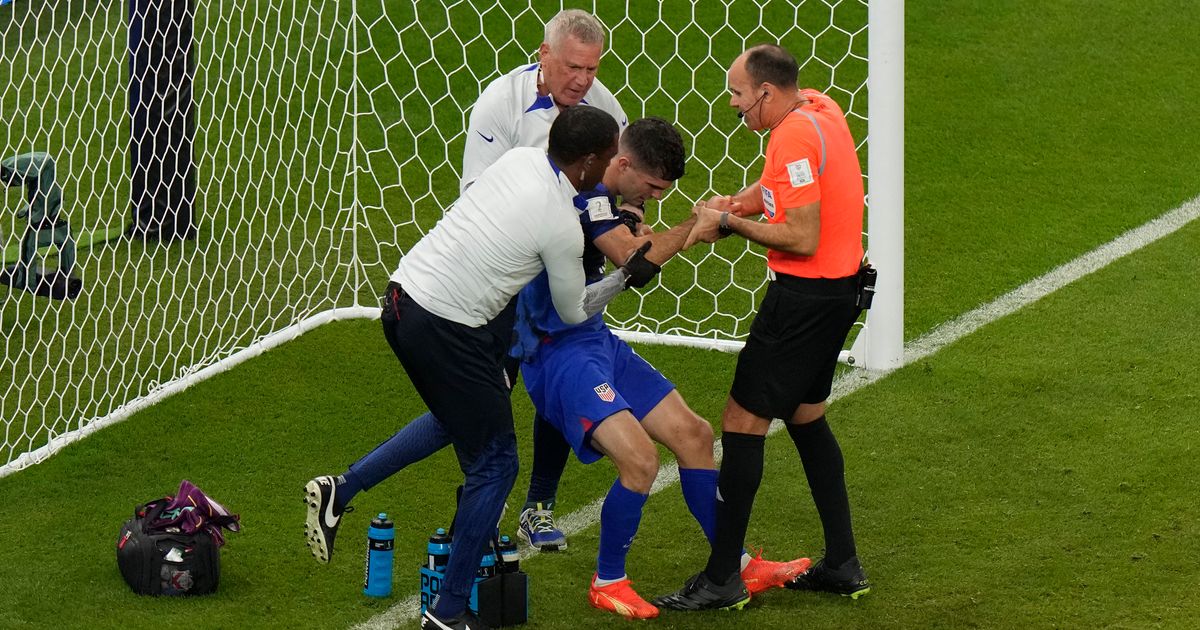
(330, 520)
(439, 624)
(488, 138)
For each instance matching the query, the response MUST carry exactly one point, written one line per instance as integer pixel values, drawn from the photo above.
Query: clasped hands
(708, 219)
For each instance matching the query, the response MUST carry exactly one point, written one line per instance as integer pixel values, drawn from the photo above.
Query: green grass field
(1038, 473)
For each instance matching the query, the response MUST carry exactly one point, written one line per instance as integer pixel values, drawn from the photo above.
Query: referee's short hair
(656, 147)
(768, 63)
(581, 130)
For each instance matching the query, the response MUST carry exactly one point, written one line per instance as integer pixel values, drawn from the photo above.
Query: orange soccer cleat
(761, 575)
(621, 599)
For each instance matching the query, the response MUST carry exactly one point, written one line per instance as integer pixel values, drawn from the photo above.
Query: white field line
(920, 348)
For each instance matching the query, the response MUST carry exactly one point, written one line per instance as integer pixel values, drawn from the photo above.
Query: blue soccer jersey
(536, 316)
(578, 375)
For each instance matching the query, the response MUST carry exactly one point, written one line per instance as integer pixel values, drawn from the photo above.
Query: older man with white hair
(517, 109)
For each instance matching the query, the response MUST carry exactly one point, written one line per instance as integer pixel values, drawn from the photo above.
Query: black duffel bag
(172, 545)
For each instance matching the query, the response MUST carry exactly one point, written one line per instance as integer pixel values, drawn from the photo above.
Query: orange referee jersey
(811, 157)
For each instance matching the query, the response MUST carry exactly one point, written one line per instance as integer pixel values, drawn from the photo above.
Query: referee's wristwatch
(724, 228)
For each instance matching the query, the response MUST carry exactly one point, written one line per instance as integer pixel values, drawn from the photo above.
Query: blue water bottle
(381, 537)
(439, 550)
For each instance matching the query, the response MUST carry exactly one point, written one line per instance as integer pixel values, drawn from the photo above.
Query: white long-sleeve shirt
(510, 113)
(516, 219)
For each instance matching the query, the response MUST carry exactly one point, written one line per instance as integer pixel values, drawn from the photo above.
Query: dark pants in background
(162, 126)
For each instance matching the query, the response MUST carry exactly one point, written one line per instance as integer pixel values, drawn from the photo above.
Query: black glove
(640, 270)
(631, 220)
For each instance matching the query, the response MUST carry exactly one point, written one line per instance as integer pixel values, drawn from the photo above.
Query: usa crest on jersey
(605, 392)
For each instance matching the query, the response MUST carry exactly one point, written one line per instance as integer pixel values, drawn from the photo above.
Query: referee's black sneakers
(467, 621)
(321, 525)
(701, 593)
(848, 580)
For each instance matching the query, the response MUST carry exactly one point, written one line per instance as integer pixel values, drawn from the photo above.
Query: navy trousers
(458, 371)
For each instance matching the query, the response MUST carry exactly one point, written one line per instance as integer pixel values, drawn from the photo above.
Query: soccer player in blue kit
(608, 401)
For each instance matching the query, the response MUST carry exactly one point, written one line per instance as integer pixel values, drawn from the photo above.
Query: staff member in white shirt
(517, 109)
(448, 315)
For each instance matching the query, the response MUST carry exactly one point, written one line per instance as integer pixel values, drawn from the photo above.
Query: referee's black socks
(826, 471)
(741, 473)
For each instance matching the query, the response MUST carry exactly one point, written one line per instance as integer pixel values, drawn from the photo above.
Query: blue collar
(541, 102)
(546, 102)
(557, 171)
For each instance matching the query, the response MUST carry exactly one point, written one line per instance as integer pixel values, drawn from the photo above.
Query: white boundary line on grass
(933, 341)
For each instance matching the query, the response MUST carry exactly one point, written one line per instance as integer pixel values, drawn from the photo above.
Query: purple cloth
(190, 511)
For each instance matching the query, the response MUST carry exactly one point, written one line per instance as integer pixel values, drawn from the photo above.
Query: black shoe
(700, 593)
(848, 580)
(466, 621)
(321, 525)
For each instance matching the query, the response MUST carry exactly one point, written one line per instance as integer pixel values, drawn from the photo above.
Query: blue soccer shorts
(578, 379)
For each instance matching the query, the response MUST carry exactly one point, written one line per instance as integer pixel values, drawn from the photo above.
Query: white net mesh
(328, 139)
(271, 89)
(665, 59)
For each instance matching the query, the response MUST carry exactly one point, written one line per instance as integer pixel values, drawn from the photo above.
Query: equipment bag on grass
(171, 546)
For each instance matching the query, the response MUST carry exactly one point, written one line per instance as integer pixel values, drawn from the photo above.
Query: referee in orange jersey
(811, 193)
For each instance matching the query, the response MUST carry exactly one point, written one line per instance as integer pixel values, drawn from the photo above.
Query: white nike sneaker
(321, 526)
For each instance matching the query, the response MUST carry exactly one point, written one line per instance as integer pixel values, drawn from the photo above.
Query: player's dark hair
(578, 131)
(768, 63)
(656, 147)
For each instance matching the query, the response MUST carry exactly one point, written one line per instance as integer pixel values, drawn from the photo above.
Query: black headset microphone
(742, 113)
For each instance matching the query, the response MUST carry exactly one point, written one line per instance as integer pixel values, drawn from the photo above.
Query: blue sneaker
(538, 531)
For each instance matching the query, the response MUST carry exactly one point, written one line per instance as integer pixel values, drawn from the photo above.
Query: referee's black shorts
(457, 370)
(794, 342)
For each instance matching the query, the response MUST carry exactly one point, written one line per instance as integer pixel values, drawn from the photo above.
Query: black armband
(640, 270)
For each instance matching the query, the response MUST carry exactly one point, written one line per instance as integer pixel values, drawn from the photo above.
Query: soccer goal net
(326, 139)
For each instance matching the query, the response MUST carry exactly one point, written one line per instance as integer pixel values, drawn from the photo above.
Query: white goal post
(328, 139)
(883, 348)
